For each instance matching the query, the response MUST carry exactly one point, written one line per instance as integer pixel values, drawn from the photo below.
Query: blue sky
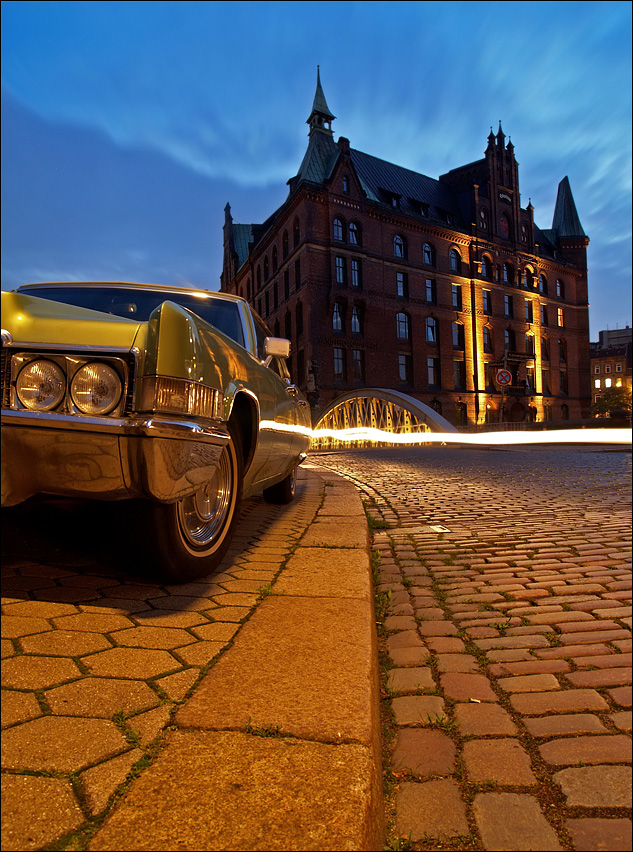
(127, 126)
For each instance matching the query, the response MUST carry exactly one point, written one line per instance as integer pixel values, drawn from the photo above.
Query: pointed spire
(500, 135)
(320, 117)
(566, 222)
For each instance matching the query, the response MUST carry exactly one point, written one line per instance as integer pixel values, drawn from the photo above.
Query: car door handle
(292, 390)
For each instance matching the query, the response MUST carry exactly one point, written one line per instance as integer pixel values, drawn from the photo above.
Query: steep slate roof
(319, 159)
(566, 222)
(378, 176)
(242, 236)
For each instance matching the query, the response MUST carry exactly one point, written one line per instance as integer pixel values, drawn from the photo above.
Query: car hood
(30, 319)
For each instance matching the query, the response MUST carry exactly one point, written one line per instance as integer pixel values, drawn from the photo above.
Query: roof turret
(566, 222)
(320, 118)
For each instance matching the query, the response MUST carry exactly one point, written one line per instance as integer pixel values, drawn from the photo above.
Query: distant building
(612, 361)
(383, 277)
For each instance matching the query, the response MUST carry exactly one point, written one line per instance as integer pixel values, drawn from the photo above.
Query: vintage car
(113, 390)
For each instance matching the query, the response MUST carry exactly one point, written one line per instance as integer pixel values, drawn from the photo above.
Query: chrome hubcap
(203, 514)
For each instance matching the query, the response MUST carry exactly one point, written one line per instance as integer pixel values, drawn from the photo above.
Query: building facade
(612, 361)
(383, 277)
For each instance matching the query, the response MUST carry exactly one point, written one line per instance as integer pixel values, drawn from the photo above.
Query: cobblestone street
(507, 643)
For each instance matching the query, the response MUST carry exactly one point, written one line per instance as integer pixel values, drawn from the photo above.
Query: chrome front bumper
(106, 458)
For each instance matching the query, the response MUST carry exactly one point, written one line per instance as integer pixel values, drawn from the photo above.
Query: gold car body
(182, 380)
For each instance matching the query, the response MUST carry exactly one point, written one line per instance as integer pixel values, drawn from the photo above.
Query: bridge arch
(376, 408)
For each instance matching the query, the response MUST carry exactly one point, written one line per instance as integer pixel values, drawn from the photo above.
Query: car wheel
(191, 536)
(284, 491)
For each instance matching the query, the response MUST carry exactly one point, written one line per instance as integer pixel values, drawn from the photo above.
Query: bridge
(349, 415)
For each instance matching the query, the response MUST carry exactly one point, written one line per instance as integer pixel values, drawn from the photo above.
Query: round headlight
(41, 385)
(96, 388)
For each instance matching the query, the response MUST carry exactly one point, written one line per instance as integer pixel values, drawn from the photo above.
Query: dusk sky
(127, 126)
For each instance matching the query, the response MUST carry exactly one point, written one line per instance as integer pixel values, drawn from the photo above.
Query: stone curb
(279, 745)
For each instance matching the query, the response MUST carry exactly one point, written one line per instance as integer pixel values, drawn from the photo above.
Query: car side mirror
(276, 347)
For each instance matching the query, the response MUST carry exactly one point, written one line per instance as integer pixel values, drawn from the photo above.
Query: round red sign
(504, 377)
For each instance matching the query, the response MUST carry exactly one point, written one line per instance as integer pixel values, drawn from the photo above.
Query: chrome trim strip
(60, 349)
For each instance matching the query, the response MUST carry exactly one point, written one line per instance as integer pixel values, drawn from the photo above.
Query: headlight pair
(95, 388)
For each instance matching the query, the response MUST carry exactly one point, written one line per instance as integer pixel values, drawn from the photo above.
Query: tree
(612, 400)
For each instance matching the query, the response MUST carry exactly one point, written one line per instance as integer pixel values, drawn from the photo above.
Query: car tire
(284, 491)
(189, 538)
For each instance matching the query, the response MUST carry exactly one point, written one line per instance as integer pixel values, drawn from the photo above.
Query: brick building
(383, 277)
(612, 361)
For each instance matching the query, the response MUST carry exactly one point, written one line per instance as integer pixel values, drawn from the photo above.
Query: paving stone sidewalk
(229, 713)
(508, 643)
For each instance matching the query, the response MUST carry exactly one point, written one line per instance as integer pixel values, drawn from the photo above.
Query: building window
(560, 318)
(248, 289)
(487, 338)
(354, 234)
(297, 274)
(431, 291)
(546, 383)
(339, 364)
(266, 269)
(402, 285)
(455, 260)
(456, 295)
(286, 284)
(433, 372)
(509, 340)
(399, 247)
(284, 245)
(486, 298)
(562, 350)
(340, 270)
(356, 321)
(544, 315)
(355, 273)
(358, 365)
(259, 276)
(275, 296)
(560, 289)
(564, 386)
(607, 383)
(488, 376)
(299, 319)
(402, 326)
(596, 383)
(607, 368)
(428, 254)
(337, 317)
(528, 278)
(596, 369)
(458, 335)
(459, 375)
(618, 368)
(296, 233)
(483, 217)
(542, 284)
(508, 307)
(544, 349)
(404, 369)
(486, 268)
(508, 274)
(529, 344)
(288, 326)
(338, 230)
(432, 335)
(529, 311)
(274, 258)
(345, 184)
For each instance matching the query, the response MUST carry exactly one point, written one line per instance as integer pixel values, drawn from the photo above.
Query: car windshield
(137, 304)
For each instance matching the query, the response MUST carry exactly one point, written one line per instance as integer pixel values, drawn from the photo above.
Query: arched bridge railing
(365, 416)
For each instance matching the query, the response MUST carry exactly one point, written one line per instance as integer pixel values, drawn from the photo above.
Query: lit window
(607, 383)
(560, 317)
(338, 230)
(618, 383)
(596, 383)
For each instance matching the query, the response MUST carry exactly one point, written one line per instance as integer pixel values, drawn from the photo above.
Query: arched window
(486, 267)
(274, 258)
(432, 330)
(487, 338)
(428, 254)
(356, 321)
(337, 317)
(403, 326)
(458, 335)
(560, 289)
(354, 234)
(284, 245)
(296, 233)
(299, 319)
(528, 277)
(455, 260)
(508, 274)
(542, 284)
(259, 276)
(529, 344)
(399, 246)
(338, 230)
(266, 269)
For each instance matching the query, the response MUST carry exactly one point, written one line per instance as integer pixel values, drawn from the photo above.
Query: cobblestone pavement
(508, 637)
(95, 660)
